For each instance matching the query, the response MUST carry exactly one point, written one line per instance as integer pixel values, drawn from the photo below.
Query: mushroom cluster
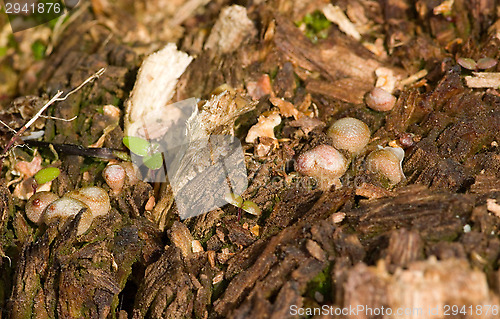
(47, 207)
(327, 164)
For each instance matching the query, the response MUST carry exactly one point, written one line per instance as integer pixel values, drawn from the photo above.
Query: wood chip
(196, 246)
(28, 169)
(338, 217)
(385, 79)
(181, 237)
(255, 230)
(307, 124)
(483, 80)
(493, 207)
(412, 78)
(264, 127)
(371, 191)
(258, 89)
(286, 108)
(154, 87)
(315, 250)
(218, 278)
(232, 27)
(337, 16)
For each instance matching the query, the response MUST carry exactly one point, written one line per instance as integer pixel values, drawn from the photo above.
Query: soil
(432, 240)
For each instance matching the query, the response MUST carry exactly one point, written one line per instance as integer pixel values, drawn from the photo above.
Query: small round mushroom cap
(387, 162)
(62, 209)
(37, 204)
(132, 172)
(324, 163)
(95, 198)
(380, 100)
(114, 175)
(349, 134)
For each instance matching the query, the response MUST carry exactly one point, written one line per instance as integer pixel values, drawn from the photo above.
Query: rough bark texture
(135, 263)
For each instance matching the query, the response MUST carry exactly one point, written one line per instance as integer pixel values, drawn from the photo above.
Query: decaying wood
(432, 238)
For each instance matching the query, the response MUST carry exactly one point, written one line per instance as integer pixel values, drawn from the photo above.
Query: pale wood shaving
(337, 16)
(483, 80)
(493, 207)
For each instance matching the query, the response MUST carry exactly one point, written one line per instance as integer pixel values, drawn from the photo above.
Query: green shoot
(46, 175)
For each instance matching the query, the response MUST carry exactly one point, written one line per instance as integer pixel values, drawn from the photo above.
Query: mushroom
(324, 163)
(349, 134)
(387, 162)
(95, 198)
(36, 205)
(131, 171)
(64, 208)
(380, 100)
(114, 175)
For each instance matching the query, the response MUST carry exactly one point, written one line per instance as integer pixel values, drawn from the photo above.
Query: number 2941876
(24, 8)
(473, 310)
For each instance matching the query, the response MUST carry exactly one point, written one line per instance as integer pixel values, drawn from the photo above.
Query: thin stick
(10, 128)
(58, 118)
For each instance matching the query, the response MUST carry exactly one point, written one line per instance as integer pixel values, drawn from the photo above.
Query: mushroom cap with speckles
(62, 208)
(114, 175)
(380, 100)
(387, 162)
(323, 162)
(96, 198)
(36, 205)
(349, 134)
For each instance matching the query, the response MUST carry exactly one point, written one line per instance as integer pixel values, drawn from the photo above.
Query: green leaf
(154, 161)
(234, 199)
(251, 207)
(467, 63)
(46, 175)
(136, 145)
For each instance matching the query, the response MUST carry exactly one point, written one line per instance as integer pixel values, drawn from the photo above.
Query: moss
(315, 26)
(320, 283)
(38, 48)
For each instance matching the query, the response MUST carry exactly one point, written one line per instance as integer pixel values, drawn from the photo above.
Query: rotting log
(299, 252)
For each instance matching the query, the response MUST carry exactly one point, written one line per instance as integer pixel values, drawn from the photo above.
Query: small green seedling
(46, 175)
(248, 206)
(481, 64)
(137, 145)
(148, 151)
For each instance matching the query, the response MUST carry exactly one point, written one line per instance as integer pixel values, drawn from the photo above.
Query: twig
(72, 149)
(10, 128)
(58, 118)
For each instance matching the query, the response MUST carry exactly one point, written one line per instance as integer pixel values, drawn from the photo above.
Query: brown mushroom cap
(349, 134)
(380, 100)
(387, 163)
(324, 163)
(114, 175)
(36, 205)
(62, 209)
